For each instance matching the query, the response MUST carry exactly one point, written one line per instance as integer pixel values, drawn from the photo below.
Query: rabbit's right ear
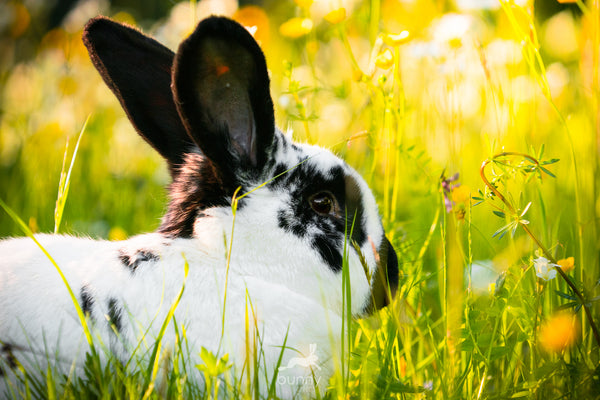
(138, 71)
(221, 89)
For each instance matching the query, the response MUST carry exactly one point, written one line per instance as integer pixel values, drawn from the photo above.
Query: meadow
(476, 124)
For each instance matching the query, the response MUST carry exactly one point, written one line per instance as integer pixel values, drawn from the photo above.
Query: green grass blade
(65, 180)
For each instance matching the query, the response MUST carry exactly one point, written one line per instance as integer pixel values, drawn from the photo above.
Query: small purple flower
(447, 187)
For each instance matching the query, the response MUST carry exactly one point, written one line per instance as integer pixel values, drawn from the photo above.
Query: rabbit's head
(208, 111)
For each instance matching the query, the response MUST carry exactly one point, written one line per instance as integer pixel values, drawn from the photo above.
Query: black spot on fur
(8, 358)
(279, 171)
(196, 187)
(288, 224)
(114, 315)
(329, 252)
(140, 257)
(86, 300)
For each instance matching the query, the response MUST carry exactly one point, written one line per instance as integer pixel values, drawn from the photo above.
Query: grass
(472, 319)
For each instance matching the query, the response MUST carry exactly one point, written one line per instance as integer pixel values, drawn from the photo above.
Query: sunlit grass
(472, 319)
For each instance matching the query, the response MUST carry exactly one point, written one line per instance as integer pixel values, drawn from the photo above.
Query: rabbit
(276, 255)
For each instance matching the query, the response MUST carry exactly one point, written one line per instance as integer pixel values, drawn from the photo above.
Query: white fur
(38, 312)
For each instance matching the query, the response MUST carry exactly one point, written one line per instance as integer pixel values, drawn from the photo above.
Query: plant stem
(546, 252)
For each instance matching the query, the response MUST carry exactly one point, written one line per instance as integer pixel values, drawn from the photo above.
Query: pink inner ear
(221, 69)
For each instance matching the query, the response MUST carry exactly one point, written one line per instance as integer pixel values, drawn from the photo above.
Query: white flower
(544, 269)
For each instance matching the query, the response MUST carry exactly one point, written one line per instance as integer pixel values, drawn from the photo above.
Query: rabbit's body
(271, 270)
(124, 305)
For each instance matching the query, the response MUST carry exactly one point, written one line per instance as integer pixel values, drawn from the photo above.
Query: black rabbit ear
(221, 89)
(138, 71)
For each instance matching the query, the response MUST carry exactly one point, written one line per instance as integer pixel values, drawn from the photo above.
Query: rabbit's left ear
(221, 89)
(138, 70)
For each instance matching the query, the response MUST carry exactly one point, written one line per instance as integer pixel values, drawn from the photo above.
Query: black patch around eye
(302, 183)
(290, 224)
(114, 315)
(140, 257)
(355, 210)
(87, 300)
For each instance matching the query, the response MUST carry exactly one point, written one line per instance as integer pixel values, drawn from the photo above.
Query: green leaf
(501, 232)
(541, 153)
(552, 161)
(547, 172)
(499, 214)
(565, 295)
(523, 393)
(568, 305)
(467, 345)
(499, 352)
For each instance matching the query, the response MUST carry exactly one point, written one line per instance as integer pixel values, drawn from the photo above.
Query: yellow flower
(455, 43)
(396, 40)
(296, 27)
(385, 59)
(559, 332)
(33, 225)
(117, 233)
(567, 264)
(254, 19)
(461, 194)
(336, 16)
(303, 3)
(402, 365)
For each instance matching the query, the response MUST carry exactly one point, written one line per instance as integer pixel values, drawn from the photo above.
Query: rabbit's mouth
(385, 282)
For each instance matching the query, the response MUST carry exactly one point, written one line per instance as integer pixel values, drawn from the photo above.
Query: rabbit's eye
(322, 203)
